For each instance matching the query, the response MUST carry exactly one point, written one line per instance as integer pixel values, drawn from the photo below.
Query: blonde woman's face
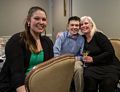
(38, 21)
(85, 26)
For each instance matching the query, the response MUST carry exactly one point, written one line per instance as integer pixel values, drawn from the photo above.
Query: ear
(28, 21)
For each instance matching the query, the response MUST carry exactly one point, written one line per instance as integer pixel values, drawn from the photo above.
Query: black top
(105, 63)
(17, 60)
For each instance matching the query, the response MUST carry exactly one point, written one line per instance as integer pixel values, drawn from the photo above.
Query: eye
(36, 18)
(43, 19)
(77, 25)
(86, 23)
(72, 24)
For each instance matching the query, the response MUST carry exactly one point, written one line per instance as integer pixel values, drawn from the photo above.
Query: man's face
(73, 27)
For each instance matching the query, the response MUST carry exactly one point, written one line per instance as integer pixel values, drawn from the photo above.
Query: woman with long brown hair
(24, 50)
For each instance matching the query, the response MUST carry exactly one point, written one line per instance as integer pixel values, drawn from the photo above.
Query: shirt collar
(71, 36)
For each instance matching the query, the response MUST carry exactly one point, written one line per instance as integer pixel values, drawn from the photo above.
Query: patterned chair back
(54, 75)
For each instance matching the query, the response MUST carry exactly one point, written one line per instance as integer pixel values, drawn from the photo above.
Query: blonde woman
(102, 64)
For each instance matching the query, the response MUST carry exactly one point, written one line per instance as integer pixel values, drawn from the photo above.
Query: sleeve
(57, 46)
(47, 45)
(107, 50)
(80, 56)
(50, 48)
(15, 59)
(81, 50)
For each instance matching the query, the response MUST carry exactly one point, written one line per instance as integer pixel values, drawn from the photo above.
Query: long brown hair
(26, 35)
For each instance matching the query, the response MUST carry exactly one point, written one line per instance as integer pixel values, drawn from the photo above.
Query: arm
(107, 50)
(58, 43)
(57, 46)
(80, 53)
(15, 60)
(50, 47)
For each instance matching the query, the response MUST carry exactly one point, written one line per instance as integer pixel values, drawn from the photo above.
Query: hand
(59, 34)
(21, 89)
(87, 59)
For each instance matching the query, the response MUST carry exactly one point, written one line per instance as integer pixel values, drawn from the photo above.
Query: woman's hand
(87, 59)
(21, 89)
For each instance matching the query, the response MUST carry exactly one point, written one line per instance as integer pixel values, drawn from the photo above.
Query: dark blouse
(12, 74)
(105, 63)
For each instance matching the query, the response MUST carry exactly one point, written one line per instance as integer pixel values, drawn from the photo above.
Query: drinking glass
(85, 53)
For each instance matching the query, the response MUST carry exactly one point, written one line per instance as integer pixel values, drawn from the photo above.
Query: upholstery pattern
(54, 75)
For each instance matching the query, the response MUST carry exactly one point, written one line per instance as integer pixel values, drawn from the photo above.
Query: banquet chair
(54, 75)
(116, 46)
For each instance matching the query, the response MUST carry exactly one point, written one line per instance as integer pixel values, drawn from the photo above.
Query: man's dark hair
(76, 18)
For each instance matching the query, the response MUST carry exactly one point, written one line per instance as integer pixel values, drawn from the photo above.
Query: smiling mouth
(39, 26)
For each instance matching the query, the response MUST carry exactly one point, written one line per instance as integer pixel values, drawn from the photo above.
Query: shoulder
(46, 39)
(62, 34)
(100, 34)
(14, 44)
(101, 37)
(81, 37)
(14, 40)
(15, 36)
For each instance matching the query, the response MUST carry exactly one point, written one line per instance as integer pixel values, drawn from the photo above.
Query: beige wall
(14, 12)
(59, 20)
(106, 14)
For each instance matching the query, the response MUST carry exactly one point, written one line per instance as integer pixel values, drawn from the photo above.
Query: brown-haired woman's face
(38, 21)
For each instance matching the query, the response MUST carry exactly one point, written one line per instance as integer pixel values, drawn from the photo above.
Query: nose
(41, 21)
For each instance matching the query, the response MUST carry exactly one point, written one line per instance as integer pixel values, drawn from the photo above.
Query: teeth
(39, 26)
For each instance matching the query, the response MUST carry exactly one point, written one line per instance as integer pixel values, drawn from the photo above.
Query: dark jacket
(17, 60)
(105, 63)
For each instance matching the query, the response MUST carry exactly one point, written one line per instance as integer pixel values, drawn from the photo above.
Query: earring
(28, 24)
